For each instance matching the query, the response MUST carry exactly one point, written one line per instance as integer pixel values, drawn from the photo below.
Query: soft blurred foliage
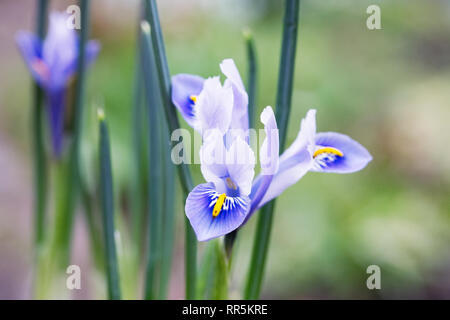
(387, 88)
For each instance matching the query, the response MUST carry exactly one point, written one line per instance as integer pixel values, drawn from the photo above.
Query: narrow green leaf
(252, 76)
(107, 204)
(93, 225)
(168, 233)
(138, 154)
(155, 194)
(283, 106)
(73, 179)
(206, 272)
(173, 124)
(39, 158)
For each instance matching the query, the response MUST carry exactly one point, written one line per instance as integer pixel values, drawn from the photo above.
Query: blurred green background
(388, 89)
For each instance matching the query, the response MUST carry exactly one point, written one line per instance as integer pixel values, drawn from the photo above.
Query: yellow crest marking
(328, 150)
(219, 204)
(193, 99)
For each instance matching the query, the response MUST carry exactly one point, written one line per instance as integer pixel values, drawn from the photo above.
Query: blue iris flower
(231, 194)
(52, 63)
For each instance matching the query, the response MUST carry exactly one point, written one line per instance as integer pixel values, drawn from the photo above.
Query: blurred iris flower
(231, 194)
(53, 63)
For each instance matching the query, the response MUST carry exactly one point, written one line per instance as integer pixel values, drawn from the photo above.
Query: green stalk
(50, 254)
(107, 203)
(138, 154)
(252, 75)
(283, 106)
(168, 233)
(173, 124)
(92, 224)
(206, 272)
(155, 178)
(73, 179)
(39, 158)
(40, 169)
(221, 273)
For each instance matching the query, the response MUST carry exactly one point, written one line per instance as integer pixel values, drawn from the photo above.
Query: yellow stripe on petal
(218, 206)
(193, 99)
(328, 150)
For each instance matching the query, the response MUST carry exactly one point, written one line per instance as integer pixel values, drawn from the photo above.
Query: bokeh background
(387, 88)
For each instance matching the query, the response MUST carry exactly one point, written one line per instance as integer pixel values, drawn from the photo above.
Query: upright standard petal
(338, 153)
(270, 148)
(212, 215)
(295, 162)
(92, 50)
(213, 160)
(240, 165)
(185, 91)
(240, 105)
(60, 49)
(269, 159)
(305, 138)
(232, 170)
(214, 106)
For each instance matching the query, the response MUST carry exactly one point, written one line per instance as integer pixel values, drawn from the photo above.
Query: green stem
(138, 154)
(155, 177)
(252, 76)
(60, 187)
(49, 267)
(283, 105)
(221, 272)
(206, 273)
(93, 225)
(73, 179)
(169, 213)
(173, 124)
(107, 201)
(51, 253)
(39, 158)
(40, 169)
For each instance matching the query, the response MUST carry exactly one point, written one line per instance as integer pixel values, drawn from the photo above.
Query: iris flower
(53, 63)
(231, 194)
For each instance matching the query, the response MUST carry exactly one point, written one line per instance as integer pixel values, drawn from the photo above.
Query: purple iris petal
(92, 50)
(230, 170)
(269, 157)
(52, 63)
(295, 162)
(199, 207)
(355, 156)
(59, 50)
(239, 122)
(291, 170)
(270, 149)
(31, 49)
(240, 162)
(183, 87)
(213, 159)
(214, 107)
